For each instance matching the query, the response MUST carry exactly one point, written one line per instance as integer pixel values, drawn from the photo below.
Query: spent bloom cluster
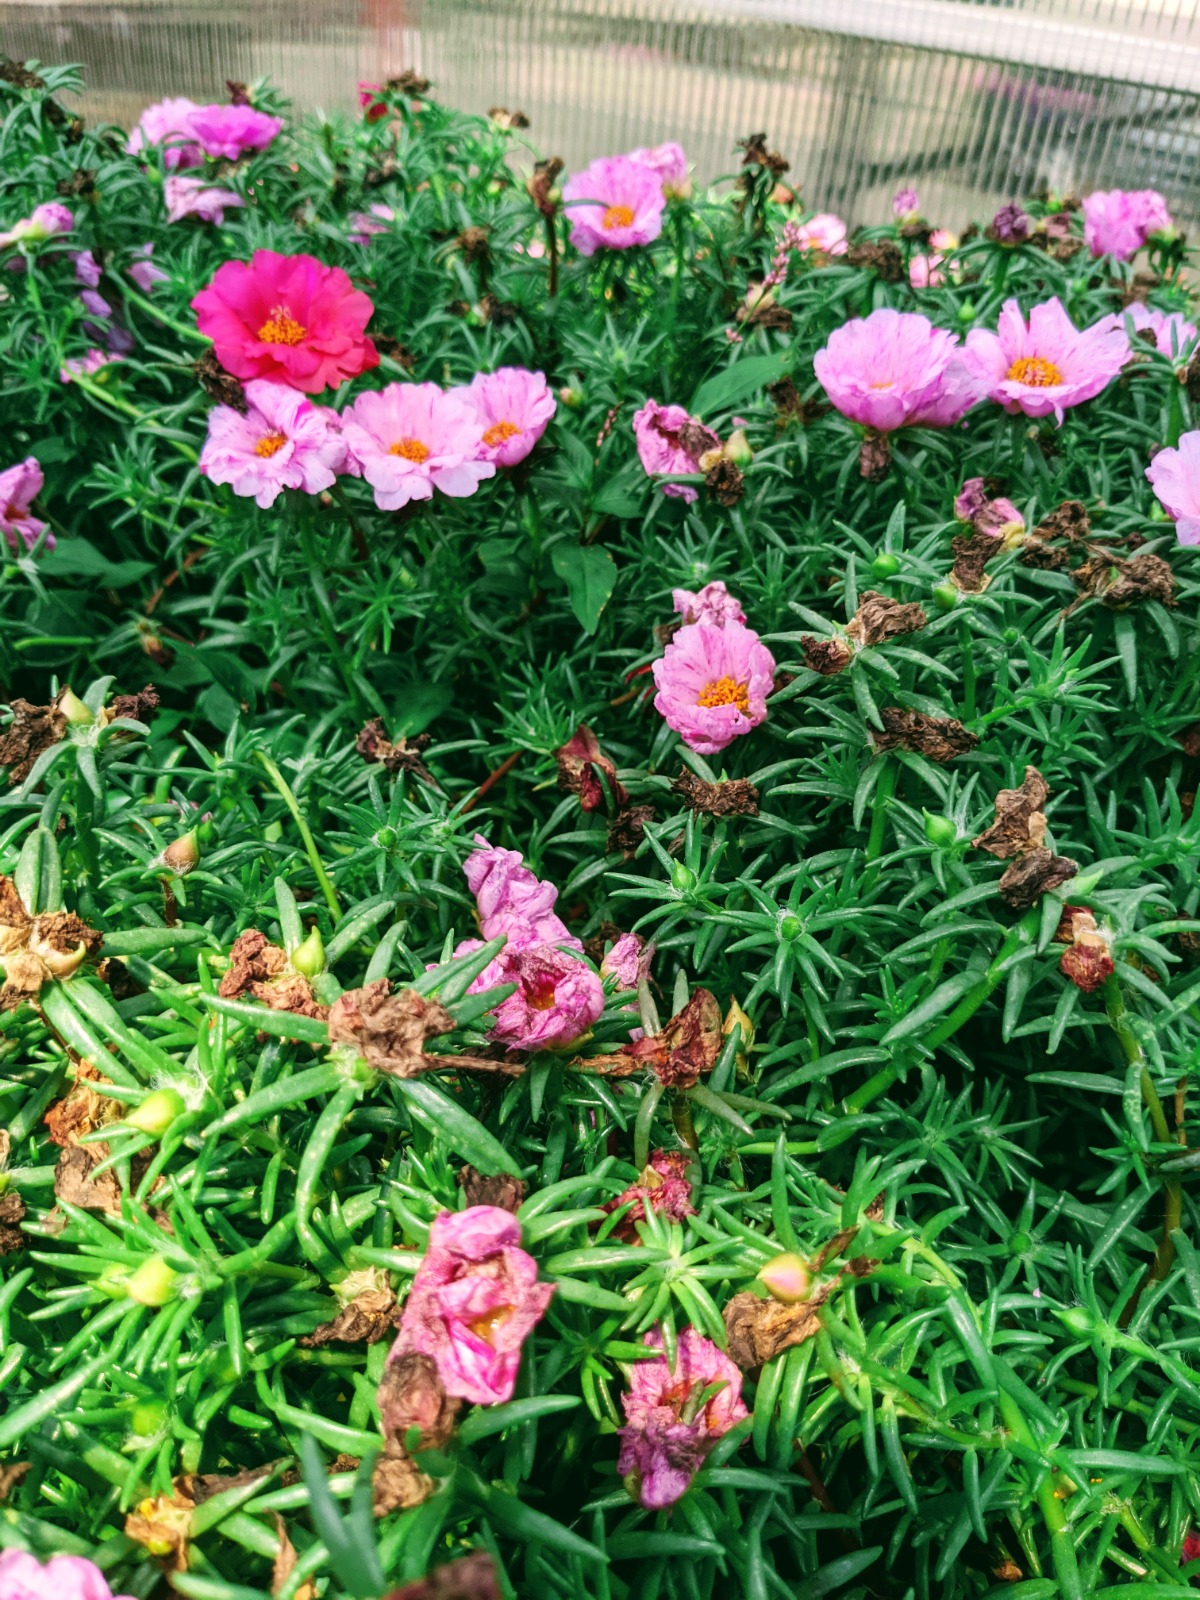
(663, 448)
(987, 514)
(1118, 222)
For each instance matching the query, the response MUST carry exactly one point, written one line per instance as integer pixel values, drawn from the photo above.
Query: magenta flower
(557, 999)
(660, 1451)
(169, 125)
(85, 366)
(44, 222)
(660, 449)
(1175, 476)
(23, 1577)
(1118, 222)
(365, 224)
(713, 605)
(662, 1187)
(713, 684)
(373, 107)
(894, 369)
(1046, 364)
(282, 442)
(18, 487)
(143, 271)
(192, 197)
(670, 164)
(613, 204)
(412, 438)
(824, 232)
(474, 1301)
(511, 899)
(998, 518)
(1174, 335)
(228, 132)
(514, 408)
(624, 962)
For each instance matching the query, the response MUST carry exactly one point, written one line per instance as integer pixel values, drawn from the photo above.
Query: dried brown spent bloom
(939, 738)
(32, 730)
(627, 828)
(239, 94)
(285, 1564)
(410, 83)
(1087, 961)
(473, 242)
(262, 969)
(138, 707)
(506, 119)
(1020, 822)
(541, 185)
(1037, 553)
(399, 755)
(412, 1397)
(881, 256)
(1119, 583)
(12, 1214)
(1026, 879)
(581, 764)
(826, 656)
(875, 457)
(11, 1475)
(471, 1577)
(389, 1031)
(735, 797)
(759, 1329)
(789, 407)
(972, 552)
(218, 384)
(163, 1523)
(879, 618)
(724, 482)
(503, 1191)
(34, 950)
(394, 350)
(81, 1110)
(1068, 520)
(18, 74)
(362, 1320)
(679, 1055)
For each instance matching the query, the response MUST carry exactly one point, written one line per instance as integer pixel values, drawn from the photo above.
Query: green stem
(312, 1162)
(333, 644)
(968, 664)
(884, 791)
(151, 310)
(1062, 1545)
(123, 408)
(310, 844)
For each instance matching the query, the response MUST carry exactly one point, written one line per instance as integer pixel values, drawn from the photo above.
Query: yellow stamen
(499, 432)
(410, 449)
(270, 444)
(617, 217)
(726, 692)
(1034, 371)
(282, 328)
(486, 1327)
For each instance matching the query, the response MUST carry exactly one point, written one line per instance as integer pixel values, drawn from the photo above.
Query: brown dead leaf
(503, 1191)
(1020, 823)
(32, 730)
(12, 1214)
(285, 1564)
(163, 1523)
(735, 797)
(74, 1184)
(364, 1321)
(879, 618)
(399, 755)
(581, 764)
(685, 1049)
(939, 738)
(627, 828)
(471, 1577)
(1037, 872)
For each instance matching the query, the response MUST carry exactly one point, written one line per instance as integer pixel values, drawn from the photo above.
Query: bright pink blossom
(1045, 365)
(228, 132)
(1174, 335)
(168, 124)
(557, 997)
(474, 1301)
(18, 487)
(412, 438)
(713, 684)
(824, 232)
(713, 605)
(613, 204)
(1118, 222)
(894, 369)
(289, 318)
(659, 1450)
(23, 1577)
(282, 442)
(670, 164)
(365, 224)
(1175, 476)
(192, 197)
(374, 108)
(624, 963)
(656, 429)
(44, 222)
(514, 409)
(511, 899)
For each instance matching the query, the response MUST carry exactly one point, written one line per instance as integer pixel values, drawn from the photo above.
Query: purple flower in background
(87, 268)
(85, 366)
(192, 197)
(1174, 335)
(228, 132)
(894, 369)
(43, 223)
(613, 204)
(1010, 225)
(168, 125)
(713, 684)
(143, 271)
(670, 163)
(906, 204)
(1175, 477)
(365, 224)
(1047, 364)
(1118, 222)
(94, 303)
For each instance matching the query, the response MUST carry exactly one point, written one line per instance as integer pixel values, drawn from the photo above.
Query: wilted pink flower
(662, 1186)
(365, 224)
(474, 1301)
(923, 272)
(18, 487)
(511, 899)
(1174, 335)
(169, 124)
(713, 605)
(906, 204)
(143, 271)
(825, 233)
(670, 164)
(412, 438)
(558, 997)
(87, 268)
(659, 1449)
(623, 963)
(613, 204)
(282, 442)
(895, 369)
(85, 365)
(23, 1577)
(290, 318)
(1010, 225)
(1175, 476)
(1047, 364)
(514, 409)
(373, 107)
(1117, 222)
(713, 684)
(660, 449)
(43, 223)
(228, 132)
(996, 517)
(192, 197)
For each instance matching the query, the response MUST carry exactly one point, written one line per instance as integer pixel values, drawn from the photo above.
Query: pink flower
(906, 204)
(1175, 476)
(997, 518)
(94, 303)
(18, 487)
(558, 997)
(228, 132)
(513, 900)
(923, 272)
(374, 109)
(43, 223)
(514, 409)
(613, 204)
(713, 684)
(289, 318)
(1118, 222)
(22, 1577)
(659, 1450)
(1047, 364)
(624, 962)
(143, 271)
(1174, 335)
(713, 605)
(670, 164)
(663, 1187)
(282, 442)
(364, 224)
(656, 429)
(474, 1301)
(825, 233)
(85, 365)
(87, 268)
(894, 369)
(412, 438)
(169, 124)
(192, 197)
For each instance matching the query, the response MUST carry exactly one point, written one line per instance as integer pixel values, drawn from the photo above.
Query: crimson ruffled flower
(287, 318)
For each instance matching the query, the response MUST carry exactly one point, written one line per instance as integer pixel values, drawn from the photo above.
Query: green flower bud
(153, 1283)
(790, 928)
(387, 838)
(1158, 513)
(73, 709)
(157, 1112)
(940, 831)
(309, 958)
(945, 596)
(571, 397)
(182, 854)
(885, 564)
(148, 1418)
(1078, 1321)
(786, 1276)
(683, 879)
(113, 1281)
(966, 311)
(737, 448)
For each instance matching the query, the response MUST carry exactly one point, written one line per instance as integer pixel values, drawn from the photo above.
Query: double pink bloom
(715, 675)
(1118, 222)
(281, 442)
(894, 369)
(1175, 477)
(616, 202)
(23, 1577)
(43, 223)
(186, 132)
(666, 1436)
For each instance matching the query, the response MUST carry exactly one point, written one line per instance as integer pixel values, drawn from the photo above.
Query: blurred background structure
(973, 101)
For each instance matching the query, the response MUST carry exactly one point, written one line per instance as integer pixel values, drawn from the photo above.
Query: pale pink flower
(282, 442)
(44, 222)
(474, 1301)
(366, 224)
(143, 271)
(824, 232)
(923, 272)
(943, 241)
(660, 449)
(1118, 222)
(660, 1451)
(624, 962)
(906, 205)
(168, 124)
(192, 197)
(412, 438)
(557, 997)
(713, 605)
(514, 409)
(996, 517)
(23, 1577)
(1174, 335)
(713, 684)
(85, 366)
(18, 487)
(613, 204)
(670, 164)
(228, 132)
(511, 899)
(894, 369)
(1045, 365)
(1175, 476)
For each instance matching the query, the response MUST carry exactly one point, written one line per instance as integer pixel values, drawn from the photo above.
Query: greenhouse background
(975, 102)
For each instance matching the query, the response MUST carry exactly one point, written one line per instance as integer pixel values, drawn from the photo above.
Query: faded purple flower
(85, 366)
(364, 225)
(662, 1187)
(87, 268)
(998, 518)
(94, 303)
(624, 961)
(1045, 365)
(143, 271)
(670, 165)
(613, 204)
(713, 684)
(557, 997)
(906, 203)
(894, 369)
(1175, 477)
(1010, 225)
(512, 900)
(713, 605)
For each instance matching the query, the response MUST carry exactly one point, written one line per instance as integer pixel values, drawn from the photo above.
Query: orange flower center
(726, 692)
(486, 1327)
(410, 449)
(282, 328)
(1034, 371)
(270, 444)
(539, 995)
(617, 217)
(499, 432)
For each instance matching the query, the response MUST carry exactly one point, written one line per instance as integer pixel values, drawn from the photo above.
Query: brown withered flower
(163, 1524)
(1118, 582)
(32, 730)
(410, 83)
(239, 94)
(262, 969)
(506, 119)
(503, 1190)
(1087, 960)
(389, 1031)
(875, 457)
(473, 242)
(725, 482)
(411, 1396)
(627, 829)
(471, 1577)
(81, 185)
(678, 1056)
(755, 154)
(759, 1329)
(880, 256)
(735, 797)
(218, 384)
(542, 183)
(826, 656)
(12, 1214)
(368, 1306)
(35, 950)
(1028, 877)
(400, 755)
(1020, 823)
(581, 764)
(972, 552)
(18, 74)
(138, 707)
(1068, 520)
(879, 618)
(394, 351)
(789, 407)
(939, 738)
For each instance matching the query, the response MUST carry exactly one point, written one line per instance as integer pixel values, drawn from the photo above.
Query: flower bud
(182, 854)
(790, 928)
(945, 596)
(153, 1283)
(1078, 1321)
(148, 1418)
(885, 565)
(571, 397)
(309, 958)
(157, 1112)
(786, 1276)
(683, 879)
(73, 708)
(966, 311)
(940, 831)
(387, 838)
(737, 448)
